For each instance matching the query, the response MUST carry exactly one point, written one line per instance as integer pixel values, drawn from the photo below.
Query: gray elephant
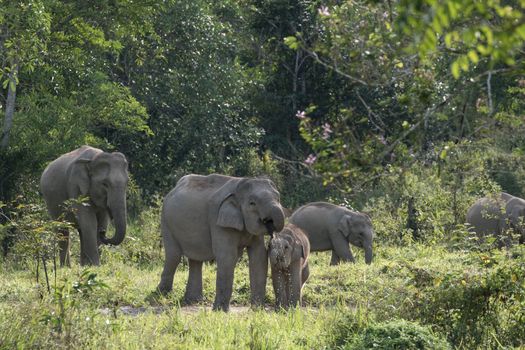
(288, 252)
(494, 215)
(103, 178)
(215, 217)
(332, 227)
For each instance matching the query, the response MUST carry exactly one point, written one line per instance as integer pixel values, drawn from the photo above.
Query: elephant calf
(494, 215)
(288, 252)
(332, 227)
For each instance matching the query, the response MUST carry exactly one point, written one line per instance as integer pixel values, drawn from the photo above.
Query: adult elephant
(494, 215)
(100, 176)
(215, 217)
(333, 227)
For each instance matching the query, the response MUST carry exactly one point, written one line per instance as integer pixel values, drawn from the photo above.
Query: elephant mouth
(270, 227)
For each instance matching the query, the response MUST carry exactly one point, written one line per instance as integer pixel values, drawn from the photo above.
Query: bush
(397, 334)
(484, 305)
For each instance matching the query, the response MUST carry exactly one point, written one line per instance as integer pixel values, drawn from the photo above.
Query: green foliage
(24, 28)
(143, 244)
(35, 237)
(67, 298)
(471, 29)
(397, 334)
(480, 306)
(457, 293)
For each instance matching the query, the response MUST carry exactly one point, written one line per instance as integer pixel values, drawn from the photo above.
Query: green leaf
(521, 31)
(291, 42)
(452, 9)
(455, 69)
(473, 56)
(463, 63)
(483, 50)
(489, 35)
(448, 40)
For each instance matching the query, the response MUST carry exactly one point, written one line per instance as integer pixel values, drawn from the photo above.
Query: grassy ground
(470, 299)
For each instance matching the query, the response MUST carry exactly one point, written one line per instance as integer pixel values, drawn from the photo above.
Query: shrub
(397, 334)
(480, 305)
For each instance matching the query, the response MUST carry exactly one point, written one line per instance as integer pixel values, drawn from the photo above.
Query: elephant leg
(224, 284)
(305, 273)
(63, 248)
(258, 267)
(87, 227)
(335, 259)
(279, 288)
(295, 284)
(172, 258)
(341, 247)
(194, 287)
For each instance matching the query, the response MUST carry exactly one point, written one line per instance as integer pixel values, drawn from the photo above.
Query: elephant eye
(252, 203)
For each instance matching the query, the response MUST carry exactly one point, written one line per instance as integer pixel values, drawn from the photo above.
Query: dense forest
(406, 110)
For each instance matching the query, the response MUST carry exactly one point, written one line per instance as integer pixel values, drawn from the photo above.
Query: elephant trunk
(275, 219)
(117, 206)
(368, 253)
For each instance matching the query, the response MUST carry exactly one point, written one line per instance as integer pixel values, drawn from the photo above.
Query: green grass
(454, 294)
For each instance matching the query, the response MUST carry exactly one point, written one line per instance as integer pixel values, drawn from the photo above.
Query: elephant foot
(221, 307)
(163, 289)
(192, 299)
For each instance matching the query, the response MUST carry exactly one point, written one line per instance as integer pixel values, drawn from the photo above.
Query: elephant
(215, 217)
(288, 252)
(100, 176)
(332, 227)
(496, 214)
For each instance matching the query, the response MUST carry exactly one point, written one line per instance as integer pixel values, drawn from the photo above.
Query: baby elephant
(288, 252)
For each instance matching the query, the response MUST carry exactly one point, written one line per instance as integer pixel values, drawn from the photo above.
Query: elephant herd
(217, 217)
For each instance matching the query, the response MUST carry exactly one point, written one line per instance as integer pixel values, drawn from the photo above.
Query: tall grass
(416, 293)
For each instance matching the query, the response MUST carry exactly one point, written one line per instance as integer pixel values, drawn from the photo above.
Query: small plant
(397, 334)
(35, 237)
(67, 303)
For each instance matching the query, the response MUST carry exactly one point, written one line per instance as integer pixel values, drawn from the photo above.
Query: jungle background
(407, 110)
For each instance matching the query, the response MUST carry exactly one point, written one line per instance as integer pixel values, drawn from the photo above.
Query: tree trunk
(9, 108)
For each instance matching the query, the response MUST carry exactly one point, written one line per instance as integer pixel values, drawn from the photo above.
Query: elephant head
(517, 221)
(282, 250)
(357, 228)
(104, 178)
(253, 207)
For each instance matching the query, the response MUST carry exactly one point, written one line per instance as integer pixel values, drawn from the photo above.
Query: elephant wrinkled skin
(215, 217)
(332, 227)
(288, 252)
(494, 215)
(98, 175)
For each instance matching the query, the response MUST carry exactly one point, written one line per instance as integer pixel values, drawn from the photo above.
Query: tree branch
(335, 69)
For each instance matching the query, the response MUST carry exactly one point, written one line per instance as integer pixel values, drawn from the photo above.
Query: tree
(24, 31)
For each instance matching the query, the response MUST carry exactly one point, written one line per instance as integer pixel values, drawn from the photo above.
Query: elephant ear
(344, 225)
(230, 215)
(79, 177)
(298, 244)
(516, 216)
